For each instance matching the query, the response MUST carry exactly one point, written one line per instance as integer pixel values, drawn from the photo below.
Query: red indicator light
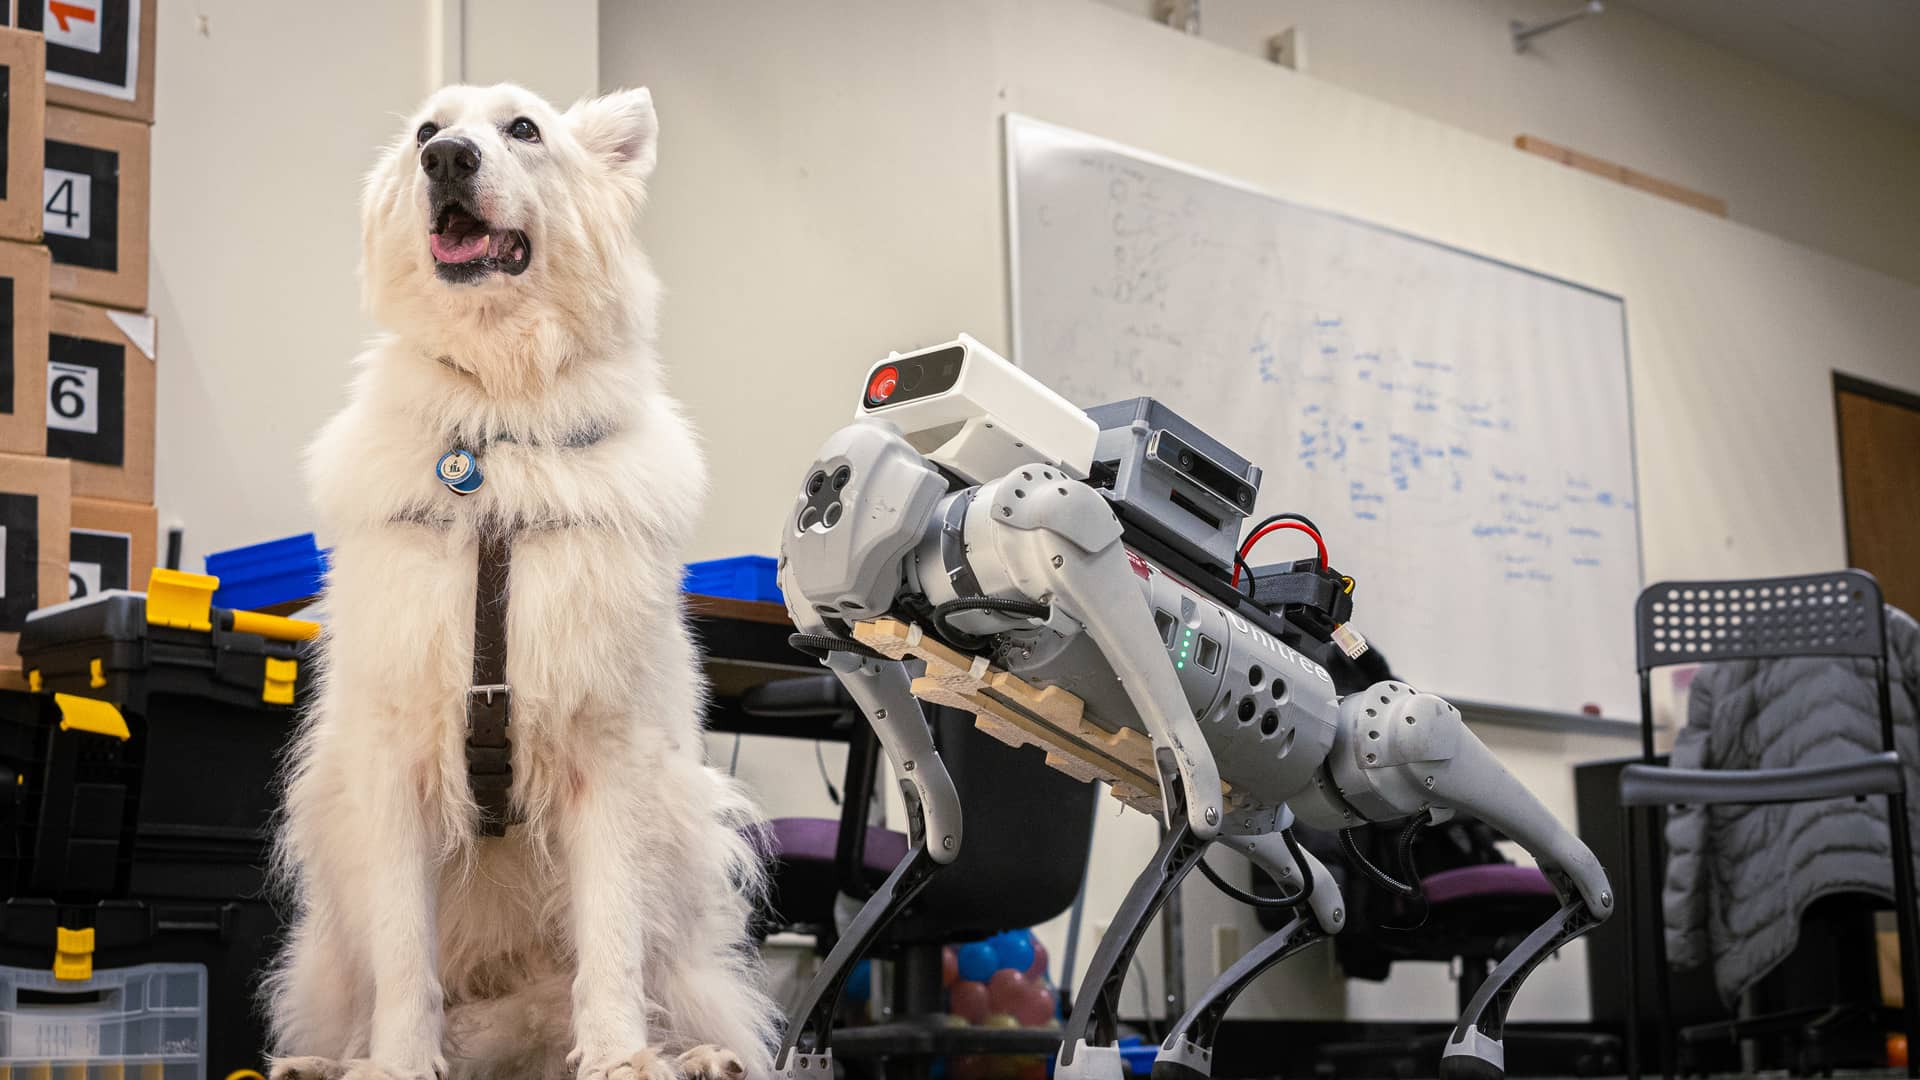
(881, 387)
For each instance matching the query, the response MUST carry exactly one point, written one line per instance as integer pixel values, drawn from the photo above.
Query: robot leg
(933, 809)
(1053, 539)
(1187, 1053)
(1399, 752)
(1087, 1050)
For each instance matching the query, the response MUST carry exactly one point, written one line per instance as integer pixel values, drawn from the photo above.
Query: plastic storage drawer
(138, 1023)
(742, 577)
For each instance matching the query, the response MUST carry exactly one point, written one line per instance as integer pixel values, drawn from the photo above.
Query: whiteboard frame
(1013, 123)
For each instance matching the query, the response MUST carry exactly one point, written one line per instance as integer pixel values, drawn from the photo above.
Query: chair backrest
(1838, 613)
(1028, 829)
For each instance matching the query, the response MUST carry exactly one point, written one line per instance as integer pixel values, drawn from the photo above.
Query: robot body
(915, 512)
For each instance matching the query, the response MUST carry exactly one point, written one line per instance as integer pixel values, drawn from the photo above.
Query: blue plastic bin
(261, 575)
(743, 577)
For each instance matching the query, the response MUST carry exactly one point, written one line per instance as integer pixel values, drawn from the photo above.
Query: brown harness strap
(490, 699)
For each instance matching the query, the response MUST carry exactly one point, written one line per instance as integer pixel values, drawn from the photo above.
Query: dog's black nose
(450, 159)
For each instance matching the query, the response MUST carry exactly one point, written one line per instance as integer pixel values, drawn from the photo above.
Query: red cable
(1255, 538)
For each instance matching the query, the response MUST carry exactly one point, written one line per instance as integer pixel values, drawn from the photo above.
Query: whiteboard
(1458, 427)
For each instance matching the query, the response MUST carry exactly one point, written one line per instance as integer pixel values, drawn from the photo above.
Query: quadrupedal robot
(1075, 579)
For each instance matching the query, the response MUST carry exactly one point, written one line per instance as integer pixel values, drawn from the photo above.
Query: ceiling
(1868, 50)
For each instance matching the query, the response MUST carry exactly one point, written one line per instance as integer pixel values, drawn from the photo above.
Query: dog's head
(495, 205)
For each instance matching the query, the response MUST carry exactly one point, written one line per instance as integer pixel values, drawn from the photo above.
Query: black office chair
(1028, 831)
(1837, 614)
(1474, 908)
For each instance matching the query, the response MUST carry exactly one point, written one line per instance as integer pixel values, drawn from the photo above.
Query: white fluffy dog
(605, 934)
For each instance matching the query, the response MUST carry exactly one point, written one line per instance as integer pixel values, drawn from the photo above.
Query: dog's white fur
(607, 934)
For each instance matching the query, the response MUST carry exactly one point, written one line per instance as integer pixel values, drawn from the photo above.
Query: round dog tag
(460, 472)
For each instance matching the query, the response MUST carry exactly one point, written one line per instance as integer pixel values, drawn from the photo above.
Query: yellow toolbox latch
(181, 600)
(96, 673)
(73, 954)
(87, 714)
(277, 627)
(278, 687)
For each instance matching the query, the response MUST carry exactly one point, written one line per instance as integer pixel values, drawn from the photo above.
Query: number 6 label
(68, 206)
(73, 398)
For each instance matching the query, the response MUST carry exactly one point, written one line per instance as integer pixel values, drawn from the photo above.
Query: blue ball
(860, 981)
(1013, 949)
(978, 961)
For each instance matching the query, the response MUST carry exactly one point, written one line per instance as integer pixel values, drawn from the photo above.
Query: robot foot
(1187, 1053)
(806, 1051)
(1090, 1062)
(1474, 1050)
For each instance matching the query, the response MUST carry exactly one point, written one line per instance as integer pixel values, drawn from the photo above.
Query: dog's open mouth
(466, 248)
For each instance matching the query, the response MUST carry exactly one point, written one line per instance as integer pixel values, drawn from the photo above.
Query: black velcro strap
(489, 701)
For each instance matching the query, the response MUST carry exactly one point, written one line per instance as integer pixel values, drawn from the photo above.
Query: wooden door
(1880, 481)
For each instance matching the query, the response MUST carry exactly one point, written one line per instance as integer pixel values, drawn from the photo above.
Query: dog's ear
(620, 129)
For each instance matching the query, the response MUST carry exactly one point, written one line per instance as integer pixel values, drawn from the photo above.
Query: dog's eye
(524, 130)
(427, 131)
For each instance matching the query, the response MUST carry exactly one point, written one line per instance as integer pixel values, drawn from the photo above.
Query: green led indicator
(1181, 665)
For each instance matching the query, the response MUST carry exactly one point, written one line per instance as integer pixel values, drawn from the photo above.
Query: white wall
(1793, 160)
(829, 188)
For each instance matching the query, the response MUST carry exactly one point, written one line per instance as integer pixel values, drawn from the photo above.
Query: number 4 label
(73, 398)
(68, 209)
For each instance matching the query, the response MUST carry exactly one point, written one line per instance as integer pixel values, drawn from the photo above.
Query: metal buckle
(487, 691)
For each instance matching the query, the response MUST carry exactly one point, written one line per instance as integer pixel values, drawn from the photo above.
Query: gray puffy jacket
(1739, 877)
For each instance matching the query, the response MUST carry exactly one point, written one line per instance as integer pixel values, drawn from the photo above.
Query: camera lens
(910, 375)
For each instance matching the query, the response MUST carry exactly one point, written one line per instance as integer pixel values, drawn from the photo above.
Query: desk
(744, 645)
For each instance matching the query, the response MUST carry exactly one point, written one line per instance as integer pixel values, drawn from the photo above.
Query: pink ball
(1037, 971)
(969, 999)
(949, 966)
(1006, 990)
(1035, 1008)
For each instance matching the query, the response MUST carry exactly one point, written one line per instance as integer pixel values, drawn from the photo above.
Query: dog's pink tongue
(459, 251)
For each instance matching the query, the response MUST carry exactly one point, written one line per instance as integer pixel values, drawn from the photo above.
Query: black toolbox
(208, 698)
(138, 784)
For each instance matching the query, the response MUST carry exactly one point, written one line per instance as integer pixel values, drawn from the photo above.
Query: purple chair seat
(805, 880)
(1489, 881)
(797, 839)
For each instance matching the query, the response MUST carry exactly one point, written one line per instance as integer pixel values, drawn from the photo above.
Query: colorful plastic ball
(949, 966)
(1037, 971)
(969, 999)
(1013, 949)
(977, 961)
(1897, 1051)
(1002, 1020)
(860, 981)
(1006, 990)
(1035, 1007)
(947, 1019)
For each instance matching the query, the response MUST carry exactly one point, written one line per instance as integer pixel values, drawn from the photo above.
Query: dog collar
(459, 468)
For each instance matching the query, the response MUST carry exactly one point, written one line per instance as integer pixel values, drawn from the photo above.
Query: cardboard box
(100, 399)
(24, 310)
(111, 546)
(23, 127)
(94, 217)
(35, 514)
(99, 53)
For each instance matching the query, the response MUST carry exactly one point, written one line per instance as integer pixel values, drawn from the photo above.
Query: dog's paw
(642, 1065)
(306, 1068)
(711, 1062)
(355, 1069)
